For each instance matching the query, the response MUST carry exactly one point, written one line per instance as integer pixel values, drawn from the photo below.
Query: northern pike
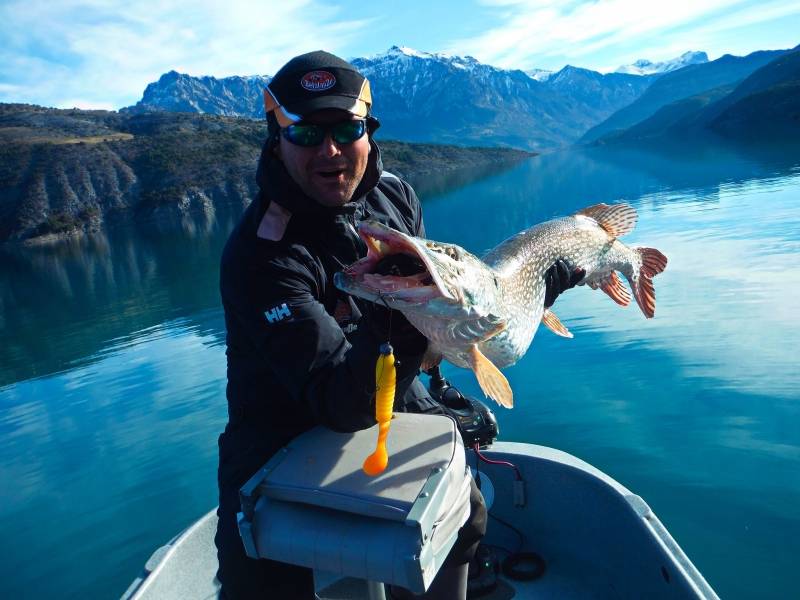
(482, 314)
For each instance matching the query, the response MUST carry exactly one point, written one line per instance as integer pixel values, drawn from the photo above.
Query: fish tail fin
(653, 262)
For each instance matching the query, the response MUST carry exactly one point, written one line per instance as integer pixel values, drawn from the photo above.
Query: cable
(512, 528)
(504, 463)
(521, 566)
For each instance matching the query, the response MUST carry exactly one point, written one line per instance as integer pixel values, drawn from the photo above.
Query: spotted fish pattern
(482, 314)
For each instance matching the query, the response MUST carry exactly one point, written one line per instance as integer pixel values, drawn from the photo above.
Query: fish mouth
(396, 268)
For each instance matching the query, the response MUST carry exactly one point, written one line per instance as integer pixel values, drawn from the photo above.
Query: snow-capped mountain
(452, 99)
(645, 67)
(421, 96)
(401, 53)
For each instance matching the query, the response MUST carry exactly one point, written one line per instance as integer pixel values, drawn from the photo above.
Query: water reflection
(105, 459)
(112, 368)
(62, 304)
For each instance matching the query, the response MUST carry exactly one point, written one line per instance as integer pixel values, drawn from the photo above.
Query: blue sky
(102, 53)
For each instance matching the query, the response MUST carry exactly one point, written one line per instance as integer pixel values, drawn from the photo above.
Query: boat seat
(312, 505)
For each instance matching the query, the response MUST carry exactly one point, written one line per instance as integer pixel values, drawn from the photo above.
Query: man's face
(329, 172)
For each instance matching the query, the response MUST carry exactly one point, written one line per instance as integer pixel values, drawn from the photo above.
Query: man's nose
(329, 147)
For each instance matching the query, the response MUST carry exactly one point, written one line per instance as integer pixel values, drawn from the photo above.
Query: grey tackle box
(312, 505)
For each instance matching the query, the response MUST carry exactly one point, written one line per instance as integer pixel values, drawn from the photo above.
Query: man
(300, 352)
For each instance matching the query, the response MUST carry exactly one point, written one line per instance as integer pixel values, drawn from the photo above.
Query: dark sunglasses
(309, 134)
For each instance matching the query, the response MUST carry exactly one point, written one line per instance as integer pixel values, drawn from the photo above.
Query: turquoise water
(112, 370)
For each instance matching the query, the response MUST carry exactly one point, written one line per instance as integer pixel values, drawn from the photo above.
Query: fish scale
(482, 314)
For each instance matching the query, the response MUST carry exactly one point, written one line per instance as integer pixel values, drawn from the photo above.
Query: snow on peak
(405, 53)
(646, 67)
(411, 52)
(539, 74)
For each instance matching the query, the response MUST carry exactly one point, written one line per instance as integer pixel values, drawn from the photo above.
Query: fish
(482, 313)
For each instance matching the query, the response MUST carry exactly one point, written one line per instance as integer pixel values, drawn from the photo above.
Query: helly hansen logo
(278, 313)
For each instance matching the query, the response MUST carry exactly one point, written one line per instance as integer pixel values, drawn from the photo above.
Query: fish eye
(453, 253)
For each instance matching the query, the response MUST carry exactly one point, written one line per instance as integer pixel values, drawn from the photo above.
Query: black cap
(314, 81)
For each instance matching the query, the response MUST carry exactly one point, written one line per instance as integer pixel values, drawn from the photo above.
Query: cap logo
(318, 81)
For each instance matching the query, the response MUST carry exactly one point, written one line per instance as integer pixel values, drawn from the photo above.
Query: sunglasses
(309, 134)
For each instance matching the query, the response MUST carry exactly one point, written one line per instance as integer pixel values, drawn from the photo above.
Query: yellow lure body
(385, 382)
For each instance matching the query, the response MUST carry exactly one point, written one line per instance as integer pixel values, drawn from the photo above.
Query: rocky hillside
(229, 96)
(66, 171)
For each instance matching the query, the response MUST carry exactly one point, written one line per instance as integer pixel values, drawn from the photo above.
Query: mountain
(767, 102)
(68, 171)
(678, 85)
(678, 115)
(230, 96)
(645, 67)
(764, 104)
(440, 98)
(595, 92)
(539, 74)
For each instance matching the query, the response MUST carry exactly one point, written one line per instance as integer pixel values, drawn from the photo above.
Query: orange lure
(385, 381)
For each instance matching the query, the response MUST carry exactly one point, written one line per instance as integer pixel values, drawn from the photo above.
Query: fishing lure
(386, 382)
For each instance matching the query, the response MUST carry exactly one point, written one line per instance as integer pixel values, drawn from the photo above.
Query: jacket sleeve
(280, 319)
(416, 208)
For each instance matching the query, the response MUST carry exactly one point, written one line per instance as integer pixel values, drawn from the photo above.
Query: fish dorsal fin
(554, 324)
(493, 383)
(616, 219)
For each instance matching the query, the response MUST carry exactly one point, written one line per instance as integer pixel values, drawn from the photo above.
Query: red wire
(504, 463)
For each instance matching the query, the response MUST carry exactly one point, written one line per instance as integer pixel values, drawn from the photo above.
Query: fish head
(436, 278)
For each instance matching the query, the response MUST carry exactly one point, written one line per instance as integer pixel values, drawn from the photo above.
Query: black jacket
(300, 353)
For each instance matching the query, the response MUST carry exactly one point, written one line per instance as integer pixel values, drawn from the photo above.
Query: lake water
(112, 370)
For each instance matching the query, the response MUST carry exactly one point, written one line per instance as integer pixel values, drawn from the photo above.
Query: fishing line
(383, 299)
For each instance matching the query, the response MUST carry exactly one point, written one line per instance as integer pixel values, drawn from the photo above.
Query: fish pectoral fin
(554, 324)
(493, 383)
(499, 328)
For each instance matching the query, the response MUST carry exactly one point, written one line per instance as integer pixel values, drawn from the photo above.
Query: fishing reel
(475, 421)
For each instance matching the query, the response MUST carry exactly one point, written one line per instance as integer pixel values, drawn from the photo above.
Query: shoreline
(68, 172)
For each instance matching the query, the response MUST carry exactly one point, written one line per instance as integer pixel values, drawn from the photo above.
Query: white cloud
(530, 31)
(104, 52)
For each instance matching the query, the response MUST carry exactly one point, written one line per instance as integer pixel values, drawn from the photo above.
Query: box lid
(323, 468)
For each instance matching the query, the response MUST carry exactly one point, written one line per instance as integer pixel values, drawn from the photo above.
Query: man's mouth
(332, 173)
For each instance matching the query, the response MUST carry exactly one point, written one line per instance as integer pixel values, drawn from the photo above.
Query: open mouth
(395, 266)
(331, 174)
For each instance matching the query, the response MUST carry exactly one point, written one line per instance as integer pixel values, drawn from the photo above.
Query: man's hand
(559, 278)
